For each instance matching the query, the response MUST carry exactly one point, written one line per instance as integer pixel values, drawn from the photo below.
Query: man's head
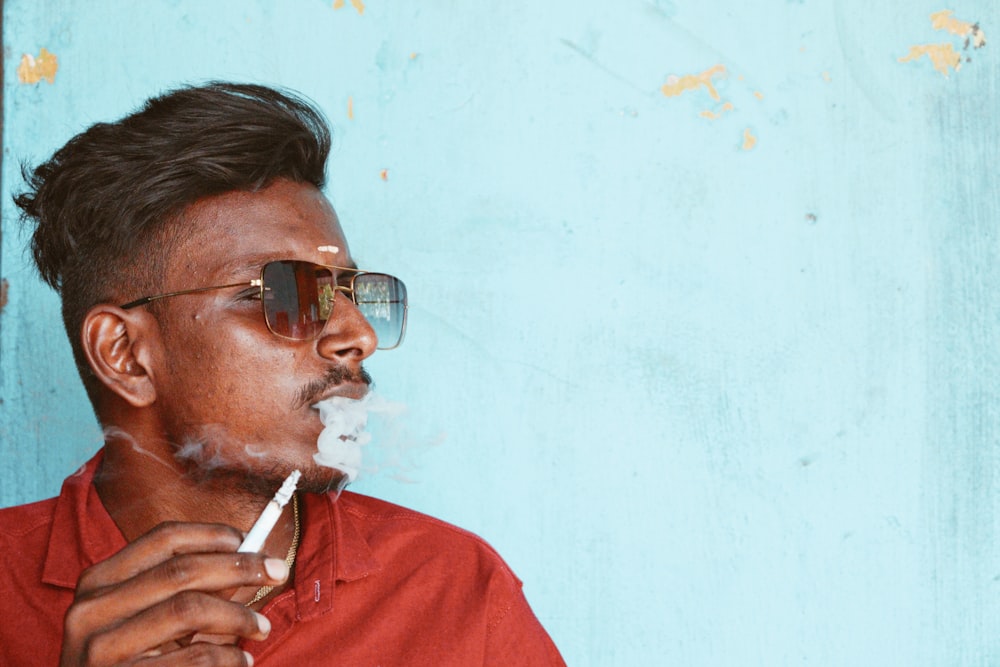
(202, 187)
(103, 204)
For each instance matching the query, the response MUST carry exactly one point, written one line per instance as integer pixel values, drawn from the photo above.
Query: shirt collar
(333, 547)
(83, 533)
(333, 550)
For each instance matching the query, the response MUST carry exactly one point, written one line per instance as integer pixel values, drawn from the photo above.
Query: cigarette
(265, 523)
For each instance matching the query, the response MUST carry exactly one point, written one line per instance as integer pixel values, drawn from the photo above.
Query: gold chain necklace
(289, 559)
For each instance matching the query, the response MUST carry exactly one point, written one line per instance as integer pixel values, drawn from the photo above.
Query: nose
(347, 337)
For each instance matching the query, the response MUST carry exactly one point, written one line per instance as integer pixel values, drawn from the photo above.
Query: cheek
(233, 367)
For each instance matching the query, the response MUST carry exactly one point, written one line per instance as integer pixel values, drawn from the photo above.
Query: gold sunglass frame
(326, 290)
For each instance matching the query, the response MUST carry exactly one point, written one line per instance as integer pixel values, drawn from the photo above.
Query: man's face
(232, 397)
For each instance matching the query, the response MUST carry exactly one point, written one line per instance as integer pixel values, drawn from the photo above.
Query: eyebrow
(255, 262)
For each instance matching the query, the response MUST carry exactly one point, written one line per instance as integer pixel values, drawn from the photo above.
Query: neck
(142, 485)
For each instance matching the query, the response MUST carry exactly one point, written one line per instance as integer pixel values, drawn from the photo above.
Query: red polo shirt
(375, 585)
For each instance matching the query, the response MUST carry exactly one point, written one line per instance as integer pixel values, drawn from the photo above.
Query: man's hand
(142, 605)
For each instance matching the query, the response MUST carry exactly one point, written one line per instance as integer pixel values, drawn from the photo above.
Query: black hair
(103, 204)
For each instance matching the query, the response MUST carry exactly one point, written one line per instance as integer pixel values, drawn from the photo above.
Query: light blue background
(715, 406)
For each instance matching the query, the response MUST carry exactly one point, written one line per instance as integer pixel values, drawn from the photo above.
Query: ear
(118, 345)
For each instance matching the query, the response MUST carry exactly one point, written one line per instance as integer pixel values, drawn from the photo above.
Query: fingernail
(276, 569)
(263, 624)
(248, 658)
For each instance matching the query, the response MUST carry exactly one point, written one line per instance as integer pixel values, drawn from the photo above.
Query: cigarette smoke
(112, 433)
(203, 451)
(344, 423)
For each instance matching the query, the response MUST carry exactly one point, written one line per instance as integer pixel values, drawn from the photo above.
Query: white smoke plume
(343, 436)
(203, 451)
(112, 433)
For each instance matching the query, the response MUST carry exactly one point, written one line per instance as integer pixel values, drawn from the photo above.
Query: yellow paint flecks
(384, 174)
(942, 55)
(676, 85)
(759, 95)
(33, 70)
(749, 141)
(944, 20)
(711, 115)
(357, 4)
(826, 77)
(414, 55)
(350, 108)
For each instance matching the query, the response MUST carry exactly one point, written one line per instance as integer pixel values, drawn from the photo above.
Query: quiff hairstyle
(107, 207)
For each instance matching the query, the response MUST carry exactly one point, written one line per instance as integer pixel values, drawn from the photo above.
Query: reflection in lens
(298, 299)
(295, 298)
(382, 300)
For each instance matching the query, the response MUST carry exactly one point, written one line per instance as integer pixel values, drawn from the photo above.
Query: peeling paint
(978, 38)
(711, 115)
(4, 285)
(350, 108)
(33, 70)
(357, 4)
(942, 55)
(944, 20)
(384, 174)
(749, 141)
(676, 85)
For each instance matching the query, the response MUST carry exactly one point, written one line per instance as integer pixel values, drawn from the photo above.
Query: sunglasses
(298, 297)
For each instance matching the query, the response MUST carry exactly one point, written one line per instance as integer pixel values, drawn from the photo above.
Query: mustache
(335, 375)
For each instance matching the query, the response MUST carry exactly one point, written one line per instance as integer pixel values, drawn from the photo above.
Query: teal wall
(718, 377)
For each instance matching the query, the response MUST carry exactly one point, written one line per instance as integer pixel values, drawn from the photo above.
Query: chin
(262, 475)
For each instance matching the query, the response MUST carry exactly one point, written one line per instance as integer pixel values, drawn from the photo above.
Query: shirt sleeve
(515, 638)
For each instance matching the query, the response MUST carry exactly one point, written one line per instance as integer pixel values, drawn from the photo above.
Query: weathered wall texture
(705, 334)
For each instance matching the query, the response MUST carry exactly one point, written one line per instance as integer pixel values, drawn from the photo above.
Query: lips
(353, 391)
(336, 381)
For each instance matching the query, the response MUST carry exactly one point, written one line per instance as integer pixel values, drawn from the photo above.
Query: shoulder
(395, 531)
(22, 521)
(24, 538)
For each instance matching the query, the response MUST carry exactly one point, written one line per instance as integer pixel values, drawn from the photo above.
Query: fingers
(160, 544)
(181, 616)
(174, 599)
(199, 654)
(165, 586)
(187, 572)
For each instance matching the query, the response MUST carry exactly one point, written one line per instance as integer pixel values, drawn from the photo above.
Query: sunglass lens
(298, 297)
(381, 298)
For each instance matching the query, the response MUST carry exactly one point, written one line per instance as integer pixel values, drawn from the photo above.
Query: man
(211, 301)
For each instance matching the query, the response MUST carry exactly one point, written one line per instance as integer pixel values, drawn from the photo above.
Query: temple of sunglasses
(297, 298)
